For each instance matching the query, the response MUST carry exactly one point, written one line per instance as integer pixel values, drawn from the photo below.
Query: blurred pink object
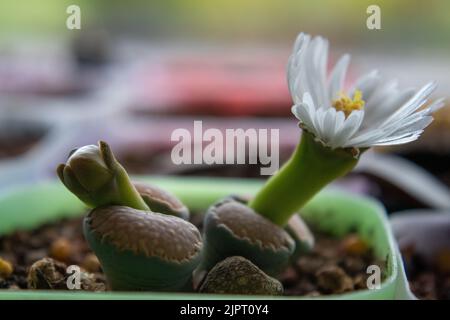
(238, 85)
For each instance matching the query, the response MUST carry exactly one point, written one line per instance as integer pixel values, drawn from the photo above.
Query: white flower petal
(379, 102)
(305, 114)
(362, 139)
(436, 105)
(410, 138)
(322, 56)
(318, 122)
(308, 100)
(314, 68)
(300, 41)
(367, 84)
(380, 112)
(413, 104)
(411, 126)
(337, 77)
(295, 67)
(329, 124)
(382, 93)
(339, 123)
(349, 128)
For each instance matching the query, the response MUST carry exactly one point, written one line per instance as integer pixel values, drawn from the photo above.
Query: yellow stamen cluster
(347, 105)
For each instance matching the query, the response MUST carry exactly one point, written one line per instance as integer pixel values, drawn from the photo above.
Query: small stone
(237, 275)
(47, 274)
(90, 263)
(353, 265)
(61, 250)
(360, 281)
(332, 279)
(92, 282)
(354, 245)
(6, 268)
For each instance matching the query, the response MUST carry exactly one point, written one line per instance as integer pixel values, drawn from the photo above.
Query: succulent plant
(141, 250)
(233, 229)
(137, 231)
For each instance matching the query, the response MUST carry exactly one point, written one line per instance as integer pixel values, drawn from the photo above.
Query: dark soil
(429, 280)
(334, 266)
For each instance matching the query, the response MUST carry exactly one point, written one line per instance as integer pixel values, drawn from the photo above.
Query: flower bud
(94, 175)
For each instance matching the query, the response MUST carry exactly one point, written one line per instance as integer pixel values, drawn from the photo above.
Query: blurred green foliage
(426, 23)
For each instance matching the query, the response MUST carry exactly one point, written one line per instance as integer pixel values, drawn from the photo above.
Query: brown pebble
(92, 282)
(353, 265)
(360, 281)
(6, 268)
(237, 275)
(354, 245)
(47, 274)
(90, 263)
(61, 250)
(332, 279)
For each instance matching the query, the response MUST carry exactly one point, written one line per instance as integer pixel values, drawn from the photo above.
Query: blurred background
(137, 70)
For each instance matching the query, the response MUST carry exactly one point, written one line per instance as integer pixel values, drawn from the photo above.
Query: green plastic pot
(332, 211)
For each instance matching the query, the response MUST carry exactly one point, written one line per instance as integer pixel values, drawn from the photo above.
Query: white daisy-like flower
(374, 112)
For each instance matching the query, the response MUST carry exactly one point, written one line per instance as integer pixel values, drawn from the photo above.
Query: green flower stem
(310, 168)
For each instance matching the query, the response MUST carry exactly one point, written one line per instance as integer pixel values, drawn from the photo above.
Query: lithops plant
(136, 230)
(231, 228)
(141, 250)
